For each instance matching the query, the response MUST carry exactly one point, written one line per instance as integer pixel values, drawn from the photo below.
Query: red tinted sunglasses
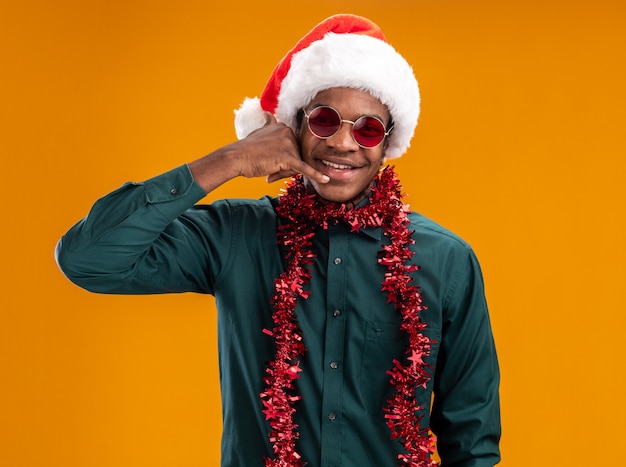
(367, 131)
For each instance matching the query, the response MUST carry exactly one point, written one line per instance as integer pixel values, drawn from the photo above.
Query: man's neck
(349, 204)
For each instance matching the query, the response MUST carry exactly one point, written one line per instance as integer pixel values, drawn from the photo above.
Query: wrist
(215, 168)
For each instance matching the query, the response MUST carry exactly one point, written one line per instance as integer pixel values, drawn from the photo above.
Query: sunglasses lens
(368, 131)
(324, 121)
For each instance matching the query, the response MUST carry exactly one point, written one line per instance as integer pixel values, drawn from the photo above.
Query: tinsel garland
(306, 212)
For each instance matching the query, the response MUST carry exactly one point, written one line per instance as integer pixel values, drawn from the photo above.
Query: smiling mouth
(337, 166)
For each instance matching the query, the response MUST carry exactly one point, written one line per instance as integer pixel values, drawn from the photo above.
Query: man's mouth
(337, 166)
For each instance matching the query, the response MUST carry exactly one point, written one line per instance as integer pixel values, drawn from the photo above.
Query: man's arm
(466, 411)
(146, 238)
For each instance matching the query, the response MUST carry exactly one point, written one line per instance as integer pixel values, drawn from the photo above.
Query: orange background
(520, 150)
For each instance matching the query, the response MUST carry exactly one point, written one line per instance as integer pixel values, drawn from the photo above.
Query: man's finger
(308, 171)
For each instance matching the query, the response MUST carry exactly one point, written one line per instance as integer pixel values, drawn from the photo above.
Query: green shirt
(150, 237)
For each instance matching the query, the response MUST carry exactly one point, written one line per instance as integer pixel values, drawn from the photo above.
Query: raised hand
(271, 151)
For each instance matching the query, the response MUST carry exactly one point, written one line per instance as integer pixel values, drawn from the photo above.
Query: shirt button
(337, 260)
(174, 191)
(334, 365)
(336, 313)
(332, 416)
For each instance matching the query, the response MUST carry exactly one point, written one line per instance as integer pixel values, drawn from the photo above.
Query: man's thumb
(269, 118)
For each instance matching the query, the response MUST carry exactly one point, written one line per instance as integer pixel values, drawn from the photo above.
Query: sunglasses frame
(342, 121)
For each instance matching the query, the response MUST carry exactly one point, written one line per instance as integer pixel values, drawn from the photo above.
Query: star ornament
(416, 358)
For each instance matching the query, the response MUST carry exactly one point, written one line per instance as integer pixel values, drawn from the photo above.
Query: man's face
(350, 167)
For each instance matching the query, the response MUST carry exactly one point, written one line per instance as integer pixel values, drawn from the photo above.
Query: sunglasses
(367, 131)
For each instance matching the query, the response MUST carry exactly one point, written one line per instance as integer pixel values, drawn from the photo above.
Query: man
(340, 313)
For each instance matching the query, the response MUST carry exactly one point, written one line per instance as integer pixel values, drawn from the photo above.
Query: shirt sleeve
(144, 238)
(466, 413)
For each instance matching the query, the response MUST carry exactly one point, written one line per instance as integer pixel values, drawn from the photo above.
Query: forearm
(216, 168)
(104, 248)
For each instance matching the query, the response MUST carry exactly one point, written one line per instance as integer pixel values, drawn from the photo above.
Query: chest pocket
(383, 343)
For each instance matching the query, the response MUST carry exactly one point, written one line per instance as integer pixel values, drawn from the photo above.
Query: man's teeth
(336, 166)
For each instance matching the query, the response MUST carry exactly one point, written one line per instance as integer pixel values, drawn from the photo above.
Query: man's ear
(390, 126)
(385, 146)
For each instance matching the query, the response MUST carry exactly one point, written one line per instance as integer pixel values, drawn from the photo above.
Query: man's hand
(271, 151)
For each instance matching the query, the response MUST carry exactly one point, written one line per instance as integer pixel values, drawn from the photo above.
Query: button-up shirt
(152, 237)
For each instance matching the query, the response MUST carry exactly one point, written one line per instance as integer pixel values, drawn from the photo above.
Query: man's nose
(343, 139)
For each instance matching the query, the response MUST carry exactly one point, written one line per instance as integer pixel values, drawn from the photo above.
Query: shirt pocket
(383, 343)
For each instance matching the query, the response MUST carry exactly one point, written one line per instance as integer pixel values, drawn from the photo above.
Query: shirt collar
(373, 232)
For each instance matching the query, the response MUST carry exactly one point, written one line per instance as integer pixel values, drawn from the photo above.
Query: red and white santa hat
(341, 51)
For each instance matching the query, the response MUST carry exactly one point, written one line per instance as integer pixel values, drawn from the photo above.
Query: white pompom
(248, 117)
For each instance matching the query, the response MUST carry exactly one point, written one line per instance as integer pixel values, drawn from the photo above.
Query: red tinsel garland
(306, 212)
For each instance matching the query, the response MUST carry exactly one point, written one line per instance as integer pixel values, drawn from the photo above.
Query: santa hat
(341, 51)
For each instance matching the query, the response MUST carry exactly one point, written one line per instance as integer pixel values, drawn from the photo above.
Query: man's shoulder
(266, 204)
(238, 210)
(427, 229)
